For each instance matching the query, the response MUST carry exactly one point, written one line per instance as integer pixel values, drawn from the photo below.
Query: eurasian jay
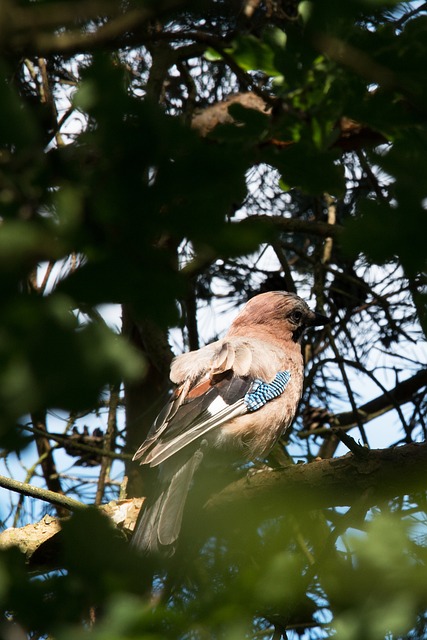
(233, 399)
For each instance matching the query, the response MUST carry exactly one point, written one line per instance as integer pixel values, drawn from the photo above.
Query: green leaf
(48, 359)
(17, 124)
(253, 55)
(312, 170)
(212, 55)
(384, 579)
(24, 244)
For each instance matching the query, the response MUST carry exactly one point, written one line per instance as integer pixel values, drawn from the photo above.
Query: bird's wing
(205, 401)
(189, 415)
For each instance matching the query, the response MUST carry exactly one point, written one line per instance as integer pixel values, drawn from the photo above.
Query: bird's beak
(317, 320)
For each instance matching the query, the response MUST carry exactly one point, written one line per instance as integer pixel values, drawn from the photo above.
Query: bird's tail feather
(158, 528)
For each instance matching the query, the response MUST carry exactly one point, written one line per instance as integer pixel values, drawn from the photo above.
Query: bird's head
(279, 311)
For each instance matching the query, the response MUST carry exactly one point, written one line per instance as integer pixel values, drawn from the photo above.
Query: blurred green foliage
(375, 588)
(134, 185)
(386, 579)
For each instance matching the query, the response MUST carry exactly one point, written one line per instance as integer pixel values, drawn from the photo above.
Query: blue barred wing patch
(262, 392)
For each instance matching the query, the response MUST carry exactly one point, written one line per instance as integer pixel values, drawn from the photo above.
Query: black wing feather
(195, 416)
(194, 410)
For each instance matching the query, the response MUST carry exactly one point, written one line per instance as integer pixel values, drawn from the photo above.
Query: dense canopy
(161, 162)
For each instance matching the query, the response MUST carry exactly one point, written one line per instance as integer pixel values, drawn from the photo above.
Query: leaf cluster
(176, 158)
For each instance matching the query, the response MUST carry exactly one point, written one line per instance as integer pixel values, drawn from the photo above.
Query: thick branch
(141, 398)
(72, 42)
(349, 134)
(40, 29)
(38, 541)
(386, 473)
(53, 15)
(380, 475)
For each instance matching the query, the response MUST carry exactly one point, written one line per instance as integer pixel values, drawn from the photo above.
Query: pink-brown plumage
(209, 414)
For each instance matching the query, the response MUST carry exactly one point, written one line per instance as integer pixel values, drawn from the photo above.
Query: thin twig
(108, 443)
(84, 447)
(347, 385)
(47, 460)
(58, 500)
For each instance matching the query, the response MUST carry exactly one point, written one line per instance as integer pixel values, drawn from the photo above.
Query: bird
(232, 400)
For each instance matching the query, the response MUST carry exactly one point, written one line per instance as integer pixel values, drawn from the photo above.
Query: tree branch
(57, 499)
(109, 442)
(47, 461)
(21, 19)
(271, 225)
(378, 475)
(386, 473)
(40, 29)
(65, 440)
(72, 42)
(38, 541)
(400, 394)
(295, 225)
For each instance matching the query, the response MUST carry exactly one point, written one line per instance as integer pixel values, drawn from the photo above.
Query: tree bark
(385, 473)
(142, 399)
(378, 475)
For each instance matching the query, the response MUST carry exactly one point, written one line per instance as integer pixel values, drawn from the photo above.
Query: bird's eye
(296, 316)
